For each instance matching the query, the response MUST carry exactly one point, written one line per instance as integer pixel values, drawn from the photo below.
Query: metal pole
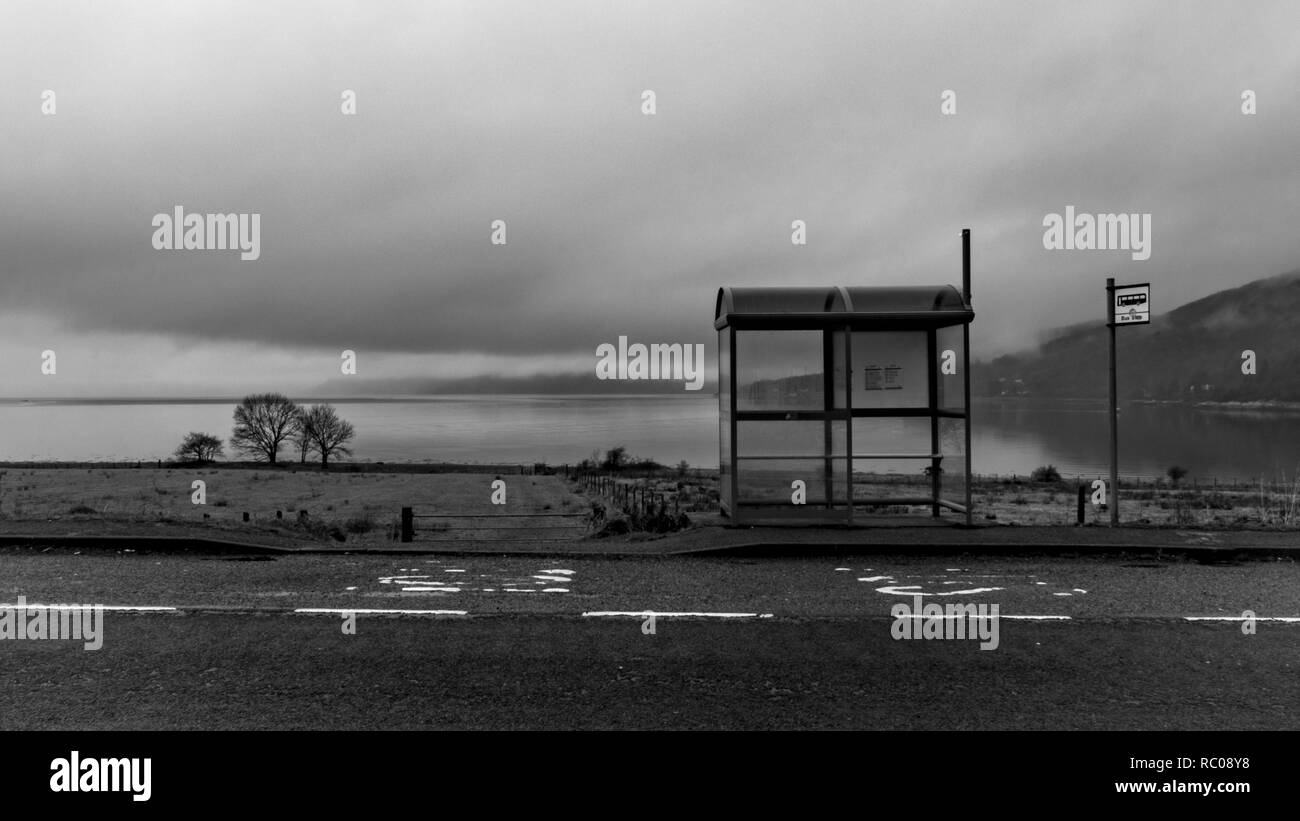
(932, 385)
(1114, 407)
(965, 341)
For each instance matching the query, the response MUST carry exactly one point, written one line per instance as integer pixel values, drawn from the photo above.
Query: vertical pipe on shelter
(965, 333)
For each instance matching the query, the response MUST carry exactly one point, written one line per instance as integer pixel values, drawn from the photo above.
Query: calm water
(1008, 437)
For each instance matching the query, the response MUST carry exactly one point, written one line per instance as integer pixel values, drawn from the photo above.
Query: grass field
(361, 507)
(1020, 501)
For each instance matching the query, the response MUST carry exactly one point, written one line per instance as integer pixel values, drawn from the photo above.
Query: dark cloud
(375, 227)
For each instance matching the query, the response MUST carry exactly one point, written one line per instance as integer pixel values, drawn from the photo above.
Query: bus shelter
(835, 402)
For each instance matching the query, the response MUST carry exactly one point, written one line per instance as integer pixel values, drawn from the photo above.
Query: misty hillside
(559, 384)
(1192, 353)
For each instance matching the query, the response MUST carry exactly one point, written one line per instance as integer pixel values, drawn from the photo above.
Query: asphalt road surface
(490, 642)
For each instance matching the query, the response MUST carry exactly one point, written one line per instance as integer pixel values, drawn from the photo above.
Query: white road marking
(915, 590)
(1283, 619)
(981, 618)
(362, 611)
(640, 614)
(379, 612)
(116, 608)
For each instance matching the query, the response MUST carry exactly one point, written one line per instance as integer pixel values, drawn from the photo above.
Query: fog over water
(1008, 437)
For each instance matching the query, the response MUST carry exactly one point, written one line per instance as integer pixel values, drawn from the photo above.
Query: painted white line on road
(1283, 619)
(640, 614)
(361, 611)
(982, 618)
(116, 608)
(915, 590)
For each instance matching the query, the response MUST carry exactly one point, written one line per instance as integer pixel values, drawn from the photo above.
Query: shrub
(358, 524)
(199, 447)
(1045, 473)
(82, 509)
(615, 459)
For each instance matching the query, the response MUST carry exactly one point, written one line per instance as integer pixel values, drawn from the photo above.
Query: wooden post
(1083, 495)
(408, 524)
(246, 515)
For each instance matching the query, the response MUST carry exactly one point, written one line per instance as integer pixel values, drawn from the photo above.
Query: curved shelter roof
(884, 308)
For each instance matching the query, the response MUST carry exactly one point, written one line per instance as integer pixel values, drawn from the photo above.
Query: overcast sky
(375, 228)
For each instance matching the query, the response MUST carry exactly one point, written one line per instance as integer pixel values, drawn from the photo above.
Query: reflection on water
(1015, 437)
(1008, 436)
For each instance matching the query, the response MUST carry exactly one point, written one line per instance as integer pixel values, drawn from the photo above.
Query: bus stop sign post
(1125, 305)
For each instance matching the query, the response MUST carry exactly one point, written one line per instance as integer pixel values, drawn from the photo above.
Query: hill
(558, 384)
(1192, 353)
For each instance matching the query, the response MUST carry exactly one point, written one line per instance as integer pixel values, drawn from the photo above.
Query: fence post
(1082, 497)
(408, 524)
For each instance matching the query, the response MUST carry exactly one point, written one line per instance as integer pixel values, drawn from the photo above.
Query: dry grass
(1024, 502)
(362, 506)
(365, 507)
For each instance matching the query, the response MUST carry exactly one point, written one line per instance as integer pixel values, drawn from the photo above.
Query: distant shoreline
(1208, 404)
(337, 400)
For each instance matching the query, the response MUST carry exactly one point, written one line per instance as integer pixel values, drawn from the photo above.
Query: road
(490, 642)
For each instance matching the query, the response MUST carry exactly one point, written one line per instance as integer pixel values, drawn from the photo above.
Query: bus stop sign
(1132, 304)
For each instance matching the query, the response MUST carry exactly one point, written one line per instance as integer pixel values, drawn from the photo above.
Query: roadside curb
(1207, 553)
(179, 544)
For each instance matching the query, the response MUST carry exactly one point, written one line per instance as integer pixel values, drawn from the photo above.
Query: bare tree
(326, 432)
(302, 439)
(199, 447)
(263, 423)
